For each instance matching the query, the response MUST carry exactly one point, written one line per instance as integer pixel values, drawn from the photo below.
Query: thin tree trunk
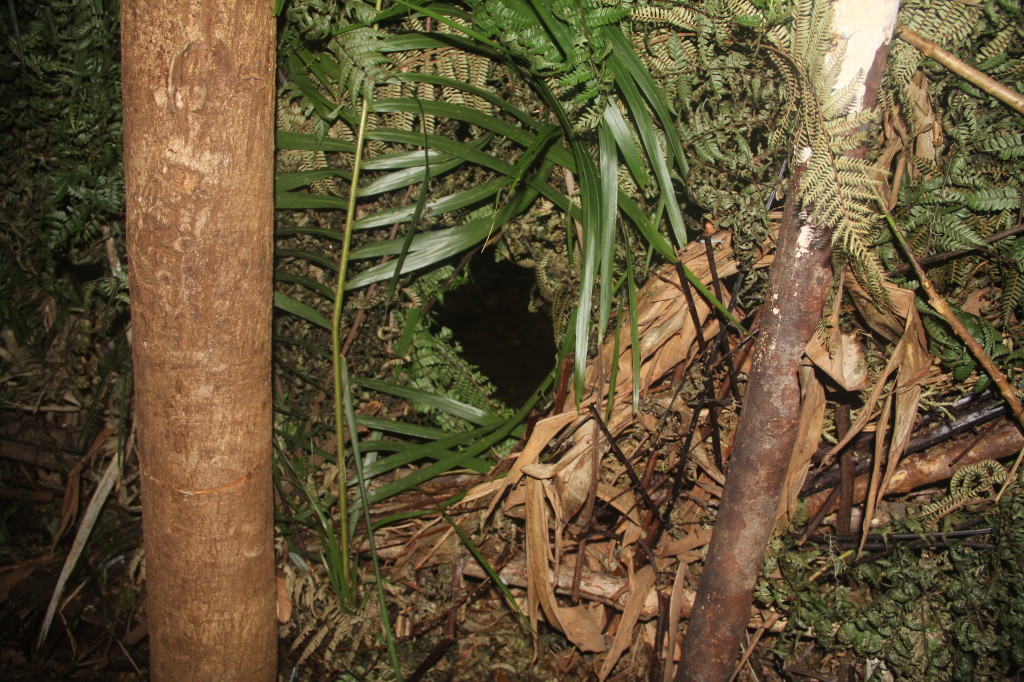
(198, 134)
(760, 458)
(766, 433)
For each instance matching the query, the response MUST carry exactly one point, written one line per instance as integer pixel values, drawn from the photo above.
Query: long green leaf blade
(300, 309)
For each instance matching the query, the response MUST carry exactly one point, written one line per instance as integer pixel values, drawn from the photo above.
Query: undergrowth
(927, 601)
(589, 135)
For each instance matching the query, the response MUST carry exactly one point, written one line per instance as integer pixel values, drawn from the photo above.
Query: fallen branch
(1006, 95)
(939, 463)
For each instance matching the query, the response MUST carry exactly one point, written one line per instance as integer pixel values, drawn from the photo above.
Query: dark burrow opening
(490, 318)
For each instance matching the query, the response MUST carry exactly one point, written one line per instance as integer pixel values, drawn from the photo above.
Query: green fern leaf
(993, 199)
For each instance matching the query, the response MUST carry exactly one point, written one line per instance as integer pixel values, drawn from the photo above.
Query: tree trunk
(766, 433)
(198, 135)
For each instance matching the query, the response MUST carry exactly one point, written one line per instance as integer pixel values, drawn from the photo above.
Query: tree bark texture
(764, 441)
(198, 134)
(766, 432)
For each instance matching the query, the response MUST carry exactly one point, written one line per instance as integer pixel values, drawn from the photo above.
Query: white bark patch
(865, 25)
(803, 240)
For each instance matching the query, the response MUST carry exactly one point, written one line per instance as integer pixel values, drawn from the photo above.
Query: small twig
(678, 475)
(634, 479)
(717, 284)
(990, 367)
(562, 390)
(41, 408)
(846, 472)
(1006, 95)
(807, 673)
(691, 306)
(950, 255)
(431, 659)
(818, 517)
(767, 625)
(577, 573)
(935, 538)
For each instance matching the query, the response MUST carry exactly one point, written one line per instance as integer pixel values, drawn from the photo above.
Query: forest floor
(99, 628)
(452, 621)
(99, 631)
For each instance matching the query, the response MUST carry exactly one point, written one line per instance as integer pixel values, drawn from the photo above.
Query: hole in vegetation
(491, 320)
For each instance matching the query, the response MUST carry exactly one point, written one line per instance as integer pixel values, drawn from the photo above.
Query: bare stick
(1006, 95)
(990, 367)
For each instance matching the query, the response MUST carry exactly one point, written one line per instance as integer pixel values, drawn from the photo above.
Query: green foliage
(953, 611)
(973, 189)
(60, 113)
(732, 98)
(431, 361)
(838, 188)
(61, 196)
(560, 42)
(535, 123)
(950, 350)
(60, 107)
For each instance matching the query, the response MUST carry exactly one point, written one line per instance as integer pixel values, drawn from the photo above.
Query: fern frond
(997, 46)
(1006, 146)
(677, 17)
(993, 199)
(1011, 300)
(841, 190)
(361, 63)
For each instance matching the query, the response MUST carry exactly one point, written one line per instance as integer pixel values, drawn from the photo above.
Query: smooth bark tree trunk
(198, 136)
(766, 432)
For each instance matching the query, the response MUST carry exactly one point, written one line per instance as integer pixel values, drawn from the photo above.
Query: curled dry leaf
(550, 491)
(841, 358)
(565, 466)
(642, 583)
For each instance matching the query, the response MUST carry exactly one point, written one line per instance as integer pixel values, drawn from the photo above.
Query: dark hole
(490, 318)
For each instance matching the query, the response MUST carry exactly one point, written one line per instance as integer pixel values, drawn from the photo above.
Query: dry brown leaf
(928, 134)
(842, 357)
(812, 416)
(539, 596)
(911, 361)
(543, 432)
(578, 624)
(685, 544)
(581, 626)
(903, 327)
(640, 587)
(284, 600)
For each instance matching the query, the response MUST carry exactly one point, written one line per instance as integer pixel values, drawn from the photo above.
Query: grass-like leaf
(440, 402)
(300, 309)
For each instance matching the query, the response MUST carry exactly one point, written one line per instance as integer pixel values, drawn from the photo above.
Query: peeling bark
(198, 134)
